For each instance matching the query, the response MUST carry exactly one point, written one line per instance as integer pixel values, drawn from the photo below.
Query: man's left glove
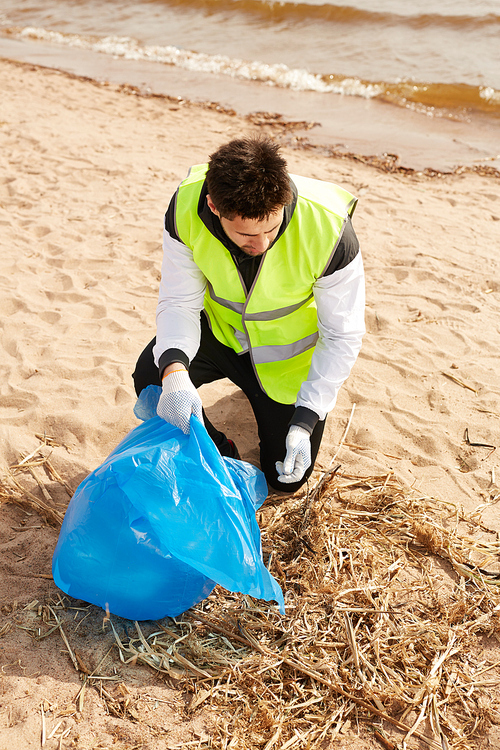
(298, 455)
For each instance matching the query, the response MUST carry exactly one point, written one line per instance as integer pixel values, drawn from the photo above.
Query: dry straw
(389, 595)
(387, 601)
(40, 468)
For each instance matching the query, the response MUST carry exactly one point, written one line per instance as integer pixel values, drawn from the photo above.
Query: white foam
(274, 75)
(489, 94)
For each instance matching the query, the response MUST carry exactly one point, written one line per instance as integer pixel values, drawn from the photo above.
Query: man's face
(251, 236)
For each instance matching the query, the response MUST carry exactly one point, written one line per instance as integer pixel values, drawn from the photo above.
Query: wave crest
(433, 99)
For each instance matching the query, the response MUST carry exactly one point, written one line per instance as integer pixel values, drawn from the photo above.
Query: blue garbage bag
(165, 517)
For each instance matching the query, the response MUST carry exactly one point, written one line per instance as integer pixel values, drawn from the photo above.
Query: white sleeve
(340, 299)
(182, 289)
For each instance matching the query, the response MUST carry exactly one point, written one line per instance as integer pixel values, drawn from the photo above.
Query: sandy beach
(87, 171)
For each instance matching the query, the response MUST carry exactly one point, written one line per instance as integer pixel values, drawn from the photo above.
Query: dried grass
(388, 593)
(387, 599)
(39, 467)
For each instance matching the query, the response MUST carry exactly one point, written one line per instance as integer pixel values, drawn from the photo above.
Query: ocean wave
(273, 74)
(443, 100)
(432, 99)
(298, 12)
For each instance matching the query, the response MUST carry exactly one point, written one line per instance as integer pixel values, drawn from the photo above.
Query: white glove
(298, 455)
(179, 399)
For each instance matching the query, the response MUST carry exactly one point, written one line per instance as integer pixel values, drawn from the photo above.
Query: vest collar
(214, 226)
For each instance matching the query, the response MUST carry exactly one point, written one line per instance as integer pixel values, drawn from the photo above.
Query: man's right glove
(179, 399)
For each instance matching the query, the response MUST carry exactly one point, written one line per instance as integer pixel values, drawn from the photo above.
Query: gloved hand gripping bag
(163, 519)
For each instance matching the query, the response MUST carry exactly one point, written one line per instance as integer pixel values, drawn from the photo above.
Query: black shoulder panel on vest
(170, 224)
(346, 250)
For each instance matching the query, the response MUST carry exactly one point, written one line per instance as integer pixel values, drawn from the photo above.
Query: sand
(86, 174)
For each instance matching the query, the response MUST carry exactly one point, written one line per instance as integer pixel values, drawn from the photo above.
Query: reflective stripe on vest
(276, 320)
(266, 315)
(262, 354)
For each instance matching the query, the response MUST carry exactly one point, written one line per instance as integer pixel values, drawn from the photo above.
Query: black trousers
(215, 361)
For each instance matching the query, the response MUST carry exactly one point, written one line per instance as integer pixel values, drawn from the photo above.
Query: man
(262, 283)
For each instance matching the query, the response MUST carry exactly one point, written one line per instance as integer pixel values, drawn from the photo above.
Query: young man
(262, 283)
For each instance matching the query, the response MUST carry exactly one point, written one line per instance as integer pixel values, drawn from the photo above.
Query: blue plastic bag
(163, 519)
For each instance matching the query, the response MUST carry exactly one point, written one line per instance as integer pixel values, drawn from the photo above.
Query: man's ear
(212, 206)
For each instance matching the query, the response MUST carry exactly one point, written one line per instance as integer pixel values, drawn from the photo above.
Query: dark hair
(247, 177)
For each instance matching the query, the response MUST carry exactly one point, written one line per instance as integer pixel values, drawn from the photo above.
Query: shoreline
(375, 132)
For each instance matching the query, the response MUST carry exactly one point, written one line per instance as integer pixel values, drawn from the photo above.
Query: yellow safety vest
(277, 320)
